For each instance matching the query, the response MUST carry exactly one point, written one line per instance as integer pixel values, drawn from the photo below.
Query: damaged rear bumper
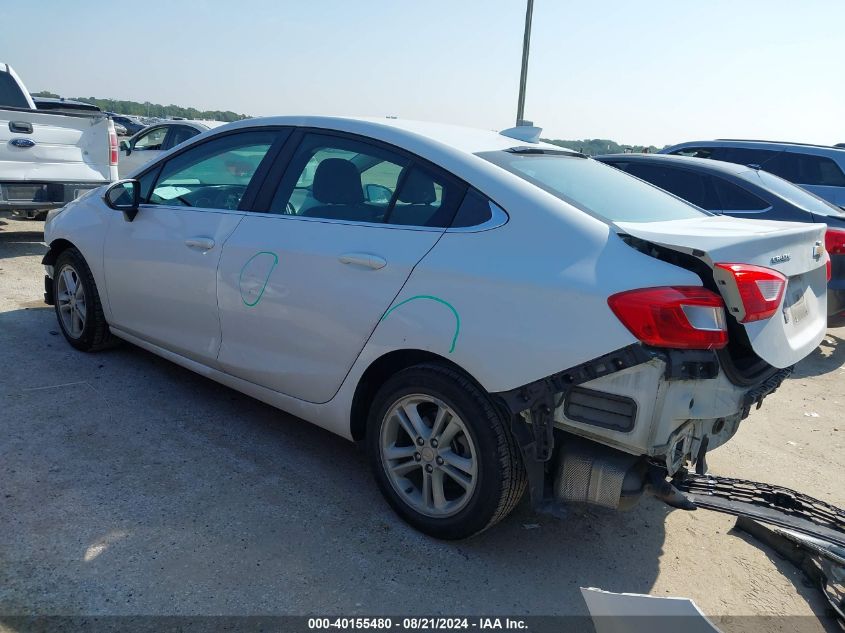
(636, 412)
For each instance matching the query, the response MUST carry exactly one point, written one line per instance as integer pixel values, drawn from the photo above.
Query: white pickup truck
(48, 159)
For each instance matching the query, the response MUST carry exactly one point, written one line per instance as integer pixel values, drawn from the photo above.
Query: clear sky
(638, 72)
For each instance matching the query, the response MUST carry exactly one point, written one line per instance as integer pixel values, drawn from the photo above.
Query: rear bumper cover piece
(669, 406)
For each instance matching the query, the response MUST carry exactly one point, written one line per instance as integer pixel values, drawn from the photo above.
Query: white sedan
(486, 312)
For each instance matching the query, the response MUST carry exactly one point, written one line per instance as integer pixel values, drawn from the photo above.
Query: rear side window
(806, 169)
(689, 185)
(598, 189)
(735, 198)
(474, 210)
(340, 178)
(180, 134)
(745, 156)
(10, 93)
(792, 193)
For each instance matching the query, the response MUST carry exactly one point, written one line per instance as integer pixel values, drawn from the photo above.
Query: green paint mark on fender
(254, 276)
(438, 300)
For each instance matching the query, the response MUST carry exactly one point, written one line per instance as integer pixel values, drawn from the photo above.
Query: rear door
(161, 268)
(793, 250)
(302, 286)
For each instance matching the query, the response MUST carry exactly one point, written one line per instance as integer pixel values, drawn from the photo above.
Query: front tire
(77, 304)
(442, 453)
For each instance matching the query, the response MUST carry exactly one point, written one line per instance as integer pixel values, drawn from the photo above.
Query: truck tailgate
(61, 148)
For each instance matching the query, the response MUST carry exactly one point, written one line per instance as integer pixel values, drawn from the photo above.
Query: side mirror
(378, 194)
(124, 147)
(124, 195)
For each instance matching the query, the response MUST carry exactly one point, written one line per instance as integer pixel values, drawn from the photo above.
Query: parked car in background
(132, 124)
(817, 168)
(51, 151)
(744, 192)
(484, 311)
(150, 142)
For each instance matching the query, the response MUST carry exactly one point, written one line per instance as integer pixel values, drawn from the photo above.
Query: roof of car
(757, 144)
(464, 139)
(704, 164)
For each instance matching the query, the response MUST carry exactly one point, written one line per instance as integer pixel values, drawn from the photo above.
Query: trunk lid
(794, 250)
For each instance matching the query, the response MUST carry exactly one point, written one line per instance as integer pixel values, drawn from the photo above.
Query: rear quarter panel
(520, 302)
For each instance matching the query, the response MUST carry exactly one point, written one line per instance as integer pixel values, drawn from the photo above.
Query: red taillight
(760, 289)
(112, 148)
(834, 241)
(682, 317)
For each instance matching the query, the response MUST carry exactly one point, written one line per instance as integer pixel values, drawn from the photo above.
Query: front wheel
(441, 452)
(77, 303)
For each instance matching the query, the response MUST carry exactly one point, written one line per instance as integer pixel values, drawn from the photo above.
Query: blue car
(746, 192)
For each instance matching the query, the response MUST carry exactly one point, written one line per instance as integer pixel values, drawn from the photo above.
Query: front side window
(351, 180)
(598, 189)
(214, 174)
(154, 139)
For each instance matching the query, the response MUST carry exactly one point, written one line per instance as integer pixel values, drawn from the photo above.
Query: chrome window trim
(731, 211)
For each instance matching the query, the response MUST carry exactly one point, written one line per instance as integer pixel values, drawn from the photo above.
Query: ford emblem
(22, 142)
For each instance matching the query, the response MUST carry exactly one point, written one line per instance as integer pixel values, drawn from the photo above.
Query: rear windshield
(598, 189)
(10, 94)
(791, 193)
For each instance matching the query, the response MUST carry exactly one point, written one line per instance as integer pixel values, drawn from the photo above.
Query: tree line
(148, 109)
(597, 146)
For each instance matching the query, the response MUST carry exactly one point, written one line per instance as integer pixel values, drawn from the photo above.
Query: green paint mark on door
(438, 300)
(254, 276)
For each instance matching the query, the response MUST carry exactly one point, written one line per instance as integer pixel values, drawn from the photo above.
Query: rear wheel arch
(379, 371)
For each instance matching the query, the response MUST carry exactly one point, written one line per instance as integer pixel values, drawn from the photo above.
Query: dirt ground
(131, 486)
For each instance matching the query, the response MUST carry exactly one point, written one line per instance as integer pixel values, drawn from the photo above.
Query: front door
(302, 287)
(161, 268)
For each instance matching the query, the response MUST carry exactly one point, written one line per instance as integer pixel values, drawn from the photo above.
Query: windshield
(594, 187)
(792, 193)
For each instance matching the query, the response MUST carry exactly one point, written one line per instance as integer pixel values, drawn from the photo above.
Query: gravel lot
(131, 486)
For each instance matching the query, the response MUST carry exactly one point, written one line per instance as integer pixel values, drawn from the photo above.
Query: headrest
(418, 188)
(337, 181)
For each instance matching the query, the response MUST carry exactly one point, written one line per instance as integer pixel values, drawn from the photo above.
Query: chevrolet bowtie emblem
(818, 251)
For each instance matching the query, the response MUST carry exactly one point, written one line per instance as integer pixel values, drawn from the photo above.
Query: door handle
(20, 127)
(366, 260)
(200, 243)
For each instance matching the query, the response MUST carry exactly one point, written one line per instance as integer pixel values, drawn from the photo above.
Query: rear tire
(77, 304)
(442, 453)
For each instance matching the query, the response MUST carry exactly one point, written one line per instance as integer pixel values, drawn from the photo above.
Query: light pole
(523, 76)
